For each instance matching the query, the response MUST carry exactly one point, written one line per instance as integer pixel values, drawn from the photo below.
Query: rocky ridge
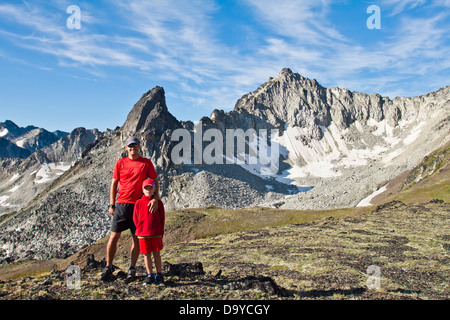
(337, 147)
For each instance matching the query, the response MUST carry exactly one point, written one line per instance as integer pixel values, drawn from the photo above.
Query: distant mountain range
(336, 148)
(20, 142)
(31, 158)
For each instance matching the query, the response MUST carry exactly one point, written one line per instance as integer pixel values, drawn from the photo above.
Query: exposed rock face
(336, 147)
(10, 130)
(23, 179)
(296, 101)
(344, 144)
(71, 146)
(70, 213)
(150, 113)
(10, 150)
(288, 98)
(153, 124)
(36, 139)
(27, 140)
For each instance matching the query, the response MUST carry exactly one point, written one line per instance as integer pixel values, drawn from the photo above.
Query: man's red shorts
(147, 245)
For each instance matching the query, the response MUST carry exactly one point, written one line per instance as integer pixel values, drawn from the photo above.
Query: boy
(150, 230)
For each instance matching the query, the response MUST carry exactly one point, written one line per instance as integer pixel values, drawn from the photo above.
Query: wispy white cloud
(305, 21)
(176, 30)
(396, 7)
(186, 46)
(400, 5)
(305, 40)
(48, 35)
(178, 42)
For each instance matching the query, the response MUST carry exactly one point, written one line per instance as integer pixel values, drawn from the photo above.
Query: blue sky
(207, 54)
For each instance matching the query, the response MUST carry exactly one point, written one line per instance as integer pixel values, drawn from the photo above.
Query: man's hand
(153, 206)
(111, 211)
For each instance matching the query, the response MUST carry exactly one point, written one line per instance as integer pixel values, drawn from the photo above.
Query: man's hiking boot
(131, 274)
(106, 274)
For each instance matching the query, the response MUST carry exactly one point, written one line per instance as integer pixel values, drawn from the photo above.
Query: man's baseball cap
(132, 140)
(148, 182)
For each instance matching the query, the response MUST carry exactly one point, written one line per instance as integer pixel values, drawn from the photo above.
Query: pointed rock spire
(152, 123)
(151, 105)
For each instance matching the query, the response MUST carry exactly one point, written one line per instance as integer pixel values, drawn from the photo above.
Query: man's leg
(134, 250)
(110, 253)
(111, 248)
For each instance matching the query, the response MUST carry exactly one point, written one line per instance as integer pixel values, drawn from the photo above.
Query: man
(129, 173)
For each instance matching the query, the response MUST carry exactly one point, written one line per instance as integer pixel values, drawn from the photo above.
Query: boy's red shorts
(147, 245)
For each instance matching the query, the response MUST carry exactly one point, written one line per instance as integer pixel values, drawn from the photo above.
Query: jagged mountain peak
(10, 130)
(29, 138)
(294, 100)
(149, 114)
(287, 98)
(152, 123)
(287, 75)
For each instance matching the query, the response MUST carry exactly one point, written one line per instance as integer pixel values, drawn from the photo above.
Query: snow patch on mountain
(367, 201)
(3, 132)
(48, 171)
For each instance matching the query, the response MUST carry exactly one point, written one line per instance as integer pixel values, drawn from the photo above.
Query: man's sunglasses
(133, 146)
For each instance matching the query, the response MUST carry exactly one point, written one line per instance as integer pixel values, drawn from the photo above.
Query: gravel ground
(408, 245)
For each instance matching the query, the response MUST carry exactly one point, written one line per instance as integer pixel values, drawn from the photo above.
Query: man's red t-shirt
(130, 174)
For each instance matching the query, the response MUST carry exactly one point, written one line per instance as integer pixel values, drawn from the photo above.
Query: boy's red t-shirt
(130, 174)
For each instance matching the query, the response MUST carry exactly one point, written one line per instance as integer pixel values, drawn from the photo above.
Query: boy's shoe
(159, 280)
(149, 279)
(106, 274)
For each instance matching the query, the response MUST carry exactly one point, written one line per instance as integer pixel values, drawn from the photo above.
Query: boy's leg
(158, 277)
(158, 263)
(111, 248)
(148, 263)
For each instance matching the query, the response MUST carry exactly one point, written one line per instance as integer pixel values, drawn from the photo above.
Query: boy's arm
(162, 215)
